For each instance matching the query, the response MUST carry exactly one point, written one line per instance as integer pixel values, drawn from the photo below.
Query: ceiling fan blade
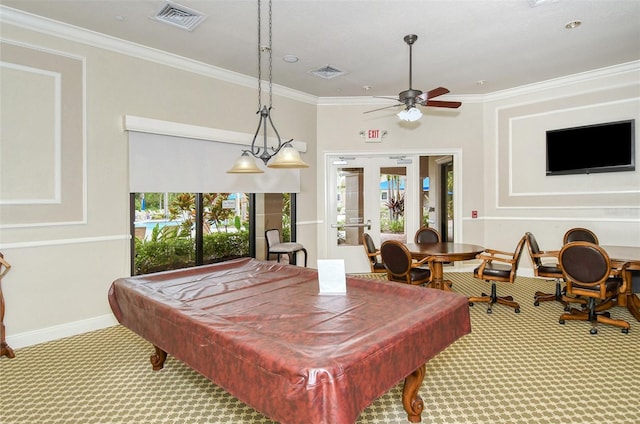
(443, 103)
(432, 93)
(384, 97)
(386, 107)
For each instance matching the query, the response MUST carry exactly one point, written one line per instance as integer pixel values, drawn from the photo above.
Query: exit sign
(373, 136)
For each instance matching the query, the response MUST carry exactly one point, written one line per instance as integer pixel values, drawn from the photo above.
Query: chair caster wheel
(625, 330)
(606, 314)
(561, 321)
(517, 310)
(536, 303)
(470, 303)
(567, 308)
(593, 331)
(489, 311)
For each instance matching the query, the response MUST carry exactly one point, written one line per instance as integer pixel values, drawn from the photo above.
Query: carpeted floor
(512, 368)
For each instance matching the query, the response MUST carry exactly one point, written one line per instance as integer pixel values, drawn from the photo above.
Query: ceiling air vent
(180, 16)
(327, 72)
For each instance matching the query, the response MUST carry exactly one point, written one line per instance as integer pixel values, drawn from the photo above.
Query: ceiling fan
(411, 97)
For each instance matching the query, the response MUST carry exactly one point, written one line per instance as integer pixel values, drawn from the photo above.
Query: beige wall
(61, 272)
(519, 197)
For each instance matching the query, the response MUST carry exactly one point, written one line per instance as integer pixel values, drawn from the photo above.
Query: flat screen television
(608, 147)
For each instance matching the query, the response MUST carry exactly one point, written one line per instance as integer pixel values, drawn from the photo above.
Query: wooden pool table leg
(158, 358)
(411, 401)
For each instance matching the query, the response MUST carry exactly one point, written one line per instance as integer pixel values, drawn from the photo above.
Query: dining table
(623, 254)
(441, 253)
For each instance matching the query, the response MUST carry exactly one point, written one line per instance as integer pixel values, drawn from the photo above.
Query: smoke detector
(179, 16)
(327, 72)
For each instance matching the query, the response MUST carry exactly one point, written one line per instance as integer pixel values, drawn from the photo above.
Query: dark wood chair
(401, 267)
(427, 235)
(545, 265)
(588, 273)
(580, 234)
(5, 350)
(373, 254)
(498, 266)
(275, 246)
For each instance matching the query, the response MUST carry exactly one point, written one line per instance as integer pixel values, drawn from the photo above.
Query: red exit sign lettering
(373, 136)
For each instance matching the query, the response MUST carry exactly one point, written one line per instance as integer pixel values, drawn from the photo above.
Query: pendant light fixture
(283, 155)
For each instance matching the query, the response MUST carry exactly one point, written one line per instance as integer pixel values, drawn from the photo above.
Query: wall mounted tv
(608, 147)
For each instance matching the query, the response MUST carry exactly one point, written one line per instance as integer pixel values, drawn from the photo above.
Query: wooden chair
(401, 267)
(545, 265)
(580, 234)
(496, 266)
(427, 235)
(588, 272)
(5, 350)
(275, 246)
(549, 268)
(373, 253)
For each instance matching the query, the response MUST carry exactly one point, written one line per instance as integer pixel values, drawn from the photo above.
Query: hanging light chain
(270, 57)
(259, 59)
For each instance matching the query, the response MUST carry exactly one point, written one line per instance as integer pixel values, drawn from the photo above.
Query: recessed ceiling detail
(327, 72)
(179, 16)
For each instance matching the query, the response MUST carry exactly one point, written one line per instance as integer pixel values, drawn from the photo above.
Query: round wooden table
(443, 252)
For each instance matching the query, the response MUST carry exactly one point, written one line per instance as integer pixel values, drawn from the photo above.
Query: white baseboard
(48, 334)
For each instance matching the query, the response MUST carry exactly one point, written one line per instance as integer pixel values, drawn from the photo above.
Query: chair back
(534, 250)
(272, 237)
(396, 259)
(517, 255)
(586, 268)
(372, 253)
(427, 235)
(584, 263)
(580, 234)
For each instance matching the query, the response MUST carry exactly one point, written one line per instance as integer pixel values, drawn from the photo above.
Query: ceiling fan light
(412, 114)
(287, 157)
(245, 164)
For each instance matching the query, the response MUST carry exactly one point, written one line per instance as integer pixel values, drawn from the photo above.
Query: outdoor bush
(166, 250)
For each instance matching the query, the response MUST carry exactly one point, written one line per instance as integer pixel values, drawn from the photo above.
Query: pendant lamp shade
(245, 164)
(287, 157)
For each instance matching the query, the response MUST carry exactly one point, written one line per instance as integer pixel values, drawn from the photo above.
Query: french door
(369, 193)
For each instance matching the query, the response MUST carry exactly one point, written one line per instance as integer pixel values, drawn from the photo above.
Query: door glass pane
(393, 184)
(350, 204)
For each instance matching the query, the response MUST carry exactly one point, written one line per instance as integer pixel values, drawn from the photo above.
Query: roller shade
(164, 163)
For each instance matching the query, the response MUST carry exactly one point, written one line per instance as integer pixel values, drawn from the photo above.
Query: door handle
(366, 224)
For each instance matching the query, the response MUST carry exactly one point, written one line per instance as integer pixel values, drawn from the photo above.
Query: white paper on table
(331, 276)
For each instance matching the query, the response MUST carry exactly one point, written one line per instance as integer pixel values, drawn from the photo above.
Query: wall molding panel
(43, 151)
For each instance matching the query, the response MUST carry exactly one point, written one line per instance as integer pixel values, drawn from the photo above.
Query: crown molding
(69, 32)
(95, 39)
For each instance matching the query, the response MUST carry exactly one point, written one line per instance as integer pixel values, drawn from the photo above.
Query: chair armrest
(546, 254)
(422, 261)
(619, 269)
(490, 255)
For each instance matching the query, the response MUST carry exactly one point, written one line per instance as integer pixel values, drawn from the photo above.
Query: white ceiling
(507, 43)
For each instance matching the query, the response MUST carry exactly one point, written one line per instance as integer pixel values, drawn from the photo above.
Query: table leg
(158, 358)
(411, 401)
(438, 277)
(5, 350)
(633, 305)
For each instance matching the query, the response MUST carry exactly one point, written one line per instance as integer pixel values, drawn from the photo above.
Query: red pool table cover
(262, 332)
